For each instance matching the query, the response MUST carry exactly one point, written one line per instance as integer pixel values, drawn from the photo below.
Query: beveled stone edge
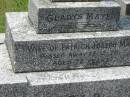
(30, 34)
(2, 37)
(41, 4)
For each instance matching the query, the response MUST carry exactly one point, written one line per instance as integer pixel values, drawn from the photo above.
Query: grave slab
(101, 82)
(30, 51)
(72, 17)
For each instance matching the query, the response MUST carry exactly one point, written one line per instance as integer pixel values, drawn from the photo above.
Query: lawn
(9, 6)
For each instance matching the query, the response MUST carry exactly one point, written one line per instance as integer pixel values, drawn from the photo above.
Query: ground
(10, 5)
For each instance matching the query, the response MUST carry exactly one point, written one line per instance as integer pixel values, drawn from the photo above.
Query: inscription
(88, 16)
(70, 54)
(51, 18)
(75, 46)
(76, 61)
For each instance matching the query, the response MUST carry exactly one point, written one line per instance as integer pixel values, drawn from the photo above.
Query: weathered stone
(73, 17)
(125, 6)
(105, 82)
(101, 82)
(79, 0)
(30, 51)
(75, 0)
(2, 37)
(11, 84)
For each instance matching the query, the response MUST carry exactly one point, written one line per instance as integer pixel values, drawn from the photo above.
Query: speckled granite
(2, 37)
(30, 51)
(72, 17)
(100, 82)
(11, 84)
(75, 0)
(105, 82)
(79, 0)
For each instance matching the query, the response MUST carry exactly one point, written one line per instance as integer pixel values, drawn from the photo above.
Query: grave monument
(66, 48)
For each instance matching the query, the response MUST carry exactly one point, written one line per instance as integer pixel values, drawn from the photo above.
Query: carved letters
(51, 18)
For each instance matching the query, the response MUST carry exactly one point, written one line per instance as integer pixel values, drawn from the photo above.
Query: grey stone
(125, 6)
(75, 0)
(2, 37)
(72, 17)
(79, 0)
(101, 82)
(30, 51)
(11, 84)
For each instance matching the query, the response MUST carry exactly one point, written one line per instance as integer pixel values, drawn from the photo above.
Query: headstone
(30, 51)
(72, 52)
(72, 17)
(100, 82)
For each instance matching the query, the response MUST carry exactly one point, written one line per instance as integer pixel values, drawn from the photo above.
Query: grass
(2, 23)
(10, 6)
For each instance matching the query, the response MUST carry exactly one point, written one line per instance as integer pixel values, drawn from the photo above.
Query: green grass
(10, 6)
(2, 23)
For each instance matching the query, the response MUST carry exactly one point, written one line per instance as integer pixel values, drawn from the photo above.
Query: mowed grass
(10, 6)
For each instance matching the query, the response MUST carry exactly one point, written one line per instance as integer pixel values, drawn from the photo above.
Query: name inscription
(87, 16)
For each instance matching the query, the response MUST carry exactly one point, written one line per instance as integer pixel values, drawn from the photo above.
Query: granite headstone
(72, 17)
(100, 82)
(30, 51)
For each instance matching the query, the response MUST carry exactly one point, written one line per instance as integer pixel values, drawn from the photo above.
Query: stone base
(30, 51)
(101, 82)
(11, 84)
